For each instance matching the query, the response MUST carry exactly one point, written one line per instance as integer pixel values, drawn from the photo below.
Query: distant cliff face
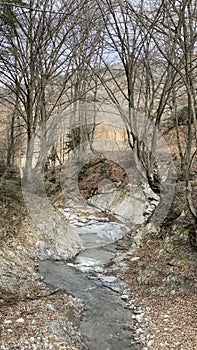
(111, 132)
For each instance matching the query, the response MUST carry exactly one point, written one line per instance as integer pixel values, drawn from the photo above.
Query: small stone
(20, 320)
(139, 330)
(132, 342)
(135, 258)
(7, 321)
(150, 343)
(137, 311)
(139, 318)
(124, 297)
(127, 306)
(142, 338)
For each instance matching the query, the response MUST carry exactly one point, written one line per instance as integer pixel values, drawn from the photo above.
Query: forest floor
(163, 276)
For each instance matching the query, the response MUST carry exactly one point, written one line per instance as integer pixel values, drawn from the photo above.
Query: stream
(105, 323)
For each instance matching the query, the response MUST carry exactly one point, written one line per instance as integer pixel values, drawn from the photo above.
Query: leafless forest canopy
(135, 55)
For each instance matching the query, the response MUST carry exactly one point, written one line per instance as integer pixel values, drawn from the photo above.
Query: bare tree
(178, 22)
(136, 77)
(37, 59)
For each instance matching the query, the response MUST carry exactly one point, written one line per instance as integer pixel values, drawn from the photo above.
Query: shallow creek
(105, 321)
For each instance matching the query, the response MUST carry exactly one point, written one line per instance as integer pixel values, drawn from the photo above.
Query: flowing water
(105, 321)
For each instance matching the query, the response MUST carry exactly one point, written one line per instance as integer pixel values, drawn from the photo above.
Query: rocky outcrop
(56, 240)
(133, 203)
(47, 236)
(18, 255)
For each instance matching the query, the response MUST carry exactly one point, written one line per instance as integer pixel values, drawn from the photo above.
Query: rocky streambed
(93, 237)
(106, 323)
